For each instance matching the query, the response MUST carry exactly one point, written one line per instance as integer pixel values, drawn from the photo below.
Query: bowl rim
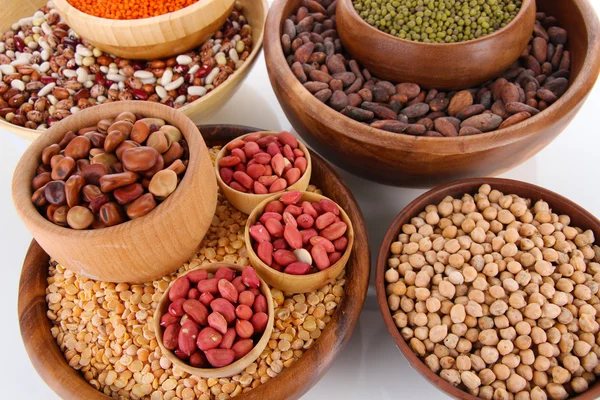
(245, 360)
(343, 260)
(281, 75)
(257, 43)
(199, 5)
(28, 211)
(417, 206)
(224, 150)
(525, 4)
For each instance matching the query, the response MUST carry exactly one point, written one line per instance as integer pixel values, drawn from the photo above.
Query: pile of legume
(499, 296)
(106, 329)
(97, 178)
(48, 73)
(317, 58)
(129, 9)
(438, 21)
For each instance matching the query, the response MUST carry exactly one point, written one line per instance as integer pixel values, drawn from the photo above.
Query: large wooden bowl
(139, 250)
(560, 205)
(293, 382)
(147, 38)
(237, 366)
(255, 12)
(403, 160)
(447, 66)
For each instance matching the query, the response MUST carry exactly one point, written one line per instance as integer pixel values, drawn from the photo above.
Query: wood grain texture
(138, 250)
(292, 383)
(297, 283)
(403, 160)
(239, 365)
(447, 66)
(148, 38)
(255, 12)
(246, 202)
(558, 204)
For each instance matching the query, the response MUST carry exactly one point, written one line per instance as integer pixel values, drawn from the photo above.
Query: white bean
(167, 77)
(175, 84)
(46, 89)
(143, 74)
(18, 84)
(198, 91)
(183, 59)
(116, 77)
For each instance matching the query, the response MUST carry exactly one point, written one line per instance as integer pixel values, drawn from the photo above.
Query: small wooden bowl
(297, 283)
(246, 202)
(148, 38)
(237, 366)
(446, 66)
(255, 12)
(404, 160)
(49, 361)
(138, 250)
(560, 205)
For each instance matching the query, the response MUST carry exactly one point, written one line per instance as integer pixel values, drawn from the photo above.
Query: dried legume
(517, 317)
(48, 73)
(318, 60)
(129, 9)
(105, 329)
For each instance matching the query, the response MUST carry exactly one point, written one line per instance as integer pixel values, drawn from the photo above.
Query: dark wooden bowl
(446, 66)
(560, 205)
(293, 382)
(403, 160)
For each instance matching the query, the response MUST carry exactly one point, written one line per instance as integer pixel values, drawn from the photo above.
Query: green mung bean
(438, 21)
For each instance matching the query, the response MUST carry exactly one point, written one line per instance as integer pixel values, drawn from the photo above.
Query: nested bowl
(237, 366)
(138, 250)
(246, 202)
(404, 160)
(292, 383)
(156, 37)
(255, 12)
(297, 283)
(558, 204)
(434, 65)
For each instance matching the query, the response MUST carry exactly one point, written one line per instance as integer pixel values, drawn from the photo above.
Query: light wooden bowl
(141, 249)
(403, 160)
(255, 12)
(297, 283)
(434, 65)
(246, 202)
(148, 38)
(237, 366)
(560, 205)
(292, 383)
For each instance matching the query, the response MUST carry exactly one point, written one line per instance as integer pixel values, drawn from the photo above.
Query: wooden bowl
(447, 66)
(246, 202)
(292, 383)
(138, 250)
(237, 366)
(148, 38)
(403, 160)
(560, 205)
(297, 283)
(255, 12)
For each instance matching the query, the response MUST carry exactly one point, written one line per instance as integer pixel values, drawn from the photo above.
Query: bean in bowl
(109, 173)
(299, 237)
(498, 296)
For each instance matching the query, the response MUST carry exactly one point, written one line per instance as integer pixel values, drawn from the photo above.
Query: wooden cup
(297, 283)
(139, 250)
(246, 202)
(237, 366)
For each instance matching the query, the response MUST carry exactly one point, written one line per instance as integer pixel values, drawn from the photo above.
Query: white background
(370, 366)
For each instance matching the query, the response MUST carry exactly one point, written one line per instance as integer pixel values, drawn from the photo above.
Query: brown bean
(110, 182)
(54, 192)
(141, 206)
(73, 188)
(78, 148)
(63, 169)
(112, 214)
(80, 217)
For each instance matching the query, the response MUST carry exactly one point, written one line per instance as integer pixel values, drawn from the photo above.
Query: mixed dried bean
(214, 319)
(317, 58)
(109, 173)
(499, 296)
(106, 330)
(299, 237)
(48, 73)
